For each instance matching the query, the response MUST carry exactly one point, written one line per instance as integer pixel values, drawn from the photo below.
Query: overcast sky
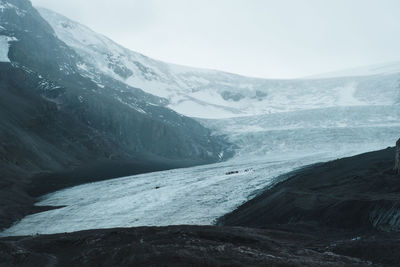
(264, 38)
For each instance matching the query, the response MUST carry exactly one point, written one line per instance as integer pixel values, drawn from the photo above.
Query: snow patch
(4, 47)
(5, 5)
(346, 95)
(82, 66)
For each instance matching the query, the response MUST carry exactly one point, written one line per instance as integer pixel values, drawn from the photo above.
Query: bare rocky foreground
(339, 213)
(199, 246)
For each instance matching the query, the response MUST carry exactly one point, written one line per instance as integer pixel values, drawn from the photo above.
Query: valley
(281, 143)
(108, 156)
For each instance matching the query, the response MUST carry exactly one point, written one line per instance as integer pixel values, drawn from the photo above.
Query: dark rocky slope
(197, 246)
(360, 193)
(66, 128)
(331, 221)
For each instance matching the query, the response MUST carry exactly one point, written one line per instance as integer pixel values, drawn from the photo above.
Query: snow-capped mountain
(214, 94)
(54, 116)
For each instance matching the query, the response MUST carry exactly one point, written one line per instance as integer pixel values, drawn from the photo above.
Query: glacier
(276, 126)
(268, 146)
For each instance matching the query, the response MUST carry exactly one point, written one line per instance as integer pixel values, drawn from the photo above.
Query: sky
(259, 38)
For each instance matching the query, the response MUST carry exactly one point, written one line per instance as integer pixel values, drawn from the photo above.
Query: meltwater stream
(269, 145)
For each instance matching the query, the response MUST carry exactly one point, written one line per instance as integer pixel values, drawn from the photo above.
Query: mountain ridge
(374, 69)
(212, 94)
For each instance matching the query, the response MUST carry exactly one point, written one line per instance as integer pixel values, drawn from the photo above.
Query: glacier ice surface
(268, 146)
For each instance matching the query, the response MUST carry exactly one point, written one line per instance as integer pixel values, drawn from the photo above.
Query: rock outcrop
(397, 158)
